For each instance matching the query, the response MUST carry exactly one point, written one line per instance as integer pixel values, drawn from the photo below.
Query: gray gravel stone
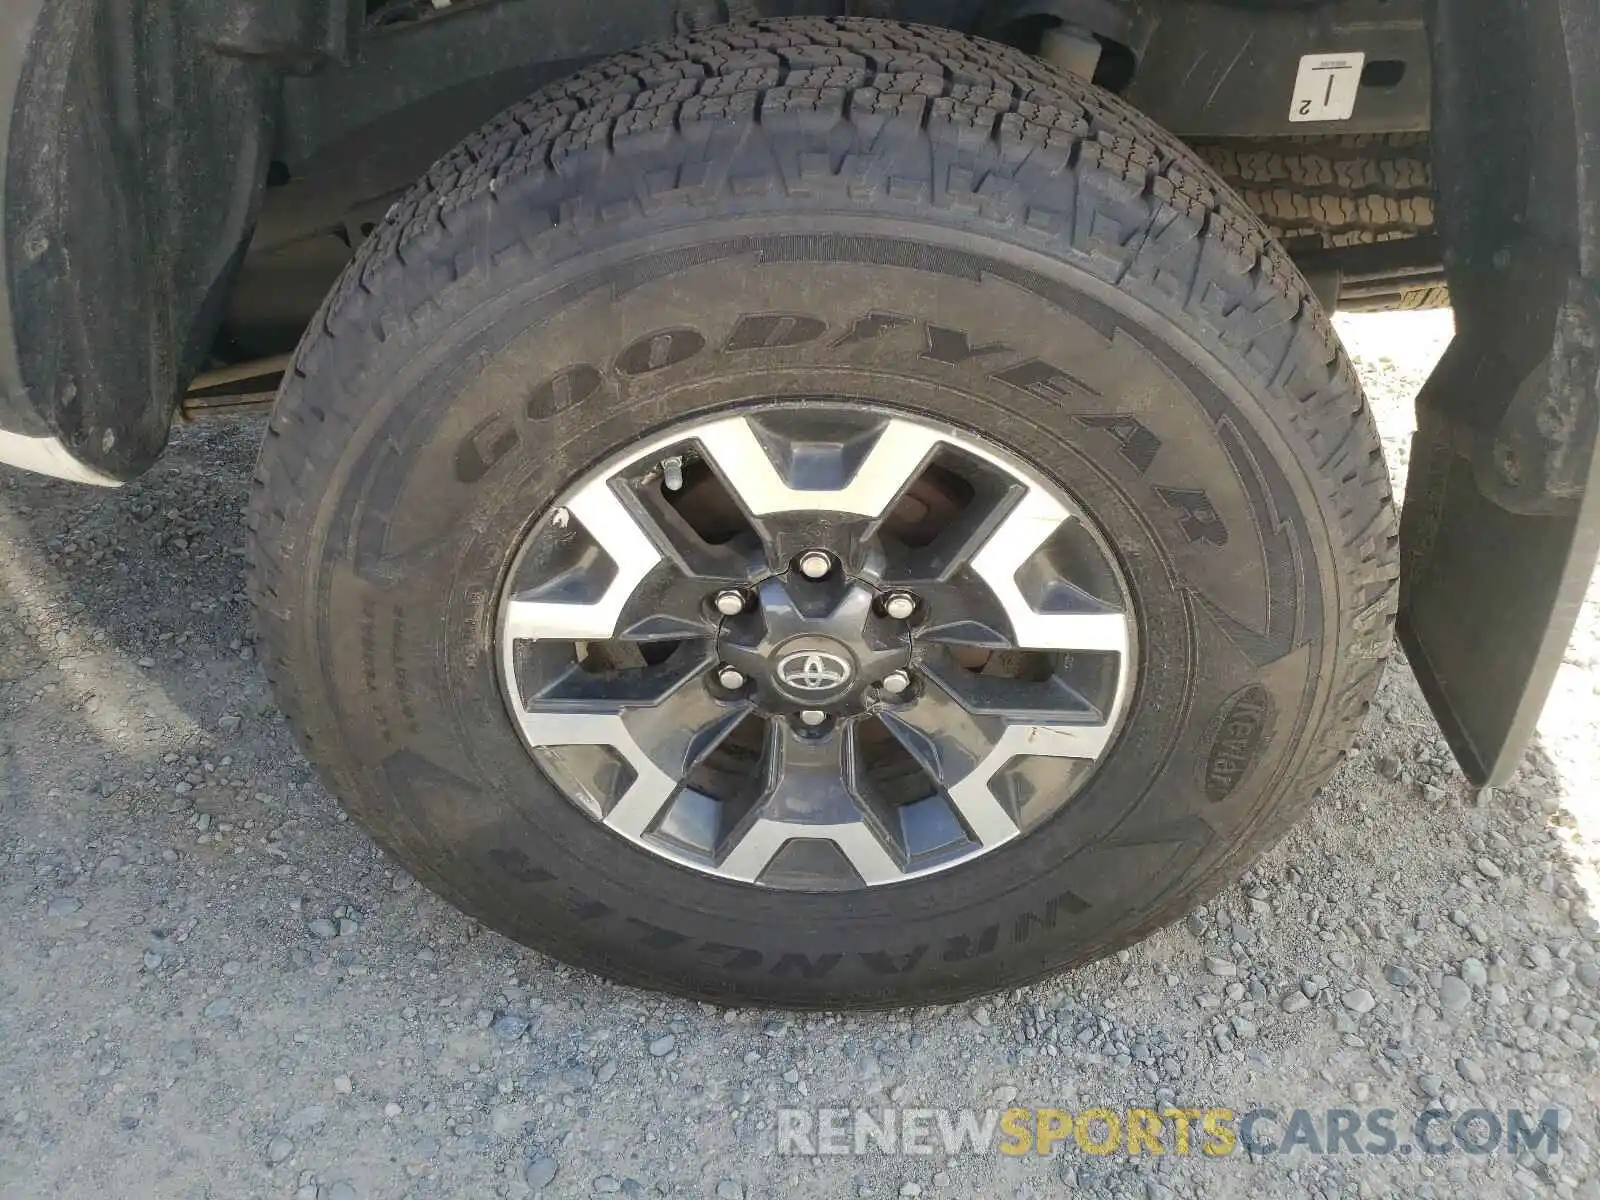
(540, 1172)
(63, 906)
(322, 928)
(279, 1149)
(1454, 995)
(1401, 977)
(1358, 1000)
(510, 1026)
(663, 1045)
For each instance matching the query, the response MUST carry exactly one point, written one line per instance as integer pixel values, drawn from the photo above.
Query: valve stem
(672, 473)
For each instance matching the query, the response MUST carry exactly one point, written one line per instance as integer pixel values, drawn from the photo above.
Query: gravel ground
(215, 986)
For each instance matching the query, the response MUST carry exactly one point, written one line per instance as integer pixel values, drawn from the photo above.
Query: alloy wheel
(816, 644)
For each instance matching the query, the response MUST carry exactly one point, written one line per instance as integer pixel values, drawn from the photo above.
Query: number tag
(1325, 87)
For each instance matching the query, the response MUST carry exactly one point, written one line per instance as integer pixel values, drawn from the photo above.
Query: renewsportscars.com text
(1212, 1132)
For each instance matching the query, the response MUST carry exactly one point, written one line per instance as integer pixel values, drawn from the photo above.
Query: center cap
(817, 670)
(809, 646)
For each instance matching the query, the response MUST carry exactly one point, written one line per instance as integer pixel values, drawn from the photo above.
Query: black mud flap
(1501, 524)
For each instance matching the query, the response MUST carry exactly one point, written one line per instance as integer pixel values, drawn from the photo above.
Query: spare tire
(826, 513)
(1323, 194)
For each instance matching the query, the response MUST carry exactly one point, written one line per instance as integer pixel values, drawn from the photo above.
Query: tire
(1121, 321)
(1327, 193)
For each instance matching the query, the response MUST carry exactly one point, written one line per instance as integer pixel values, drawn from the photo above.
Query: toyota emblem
(813, 671)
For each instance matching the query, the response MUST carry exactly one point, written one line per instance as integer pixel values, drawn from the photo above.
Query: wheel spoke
(607, 520)
(651, 788)
(1018, 538)
(669, 606)
(678, 733)
(704, 550)
(581, 688)
(963, 611)
(811, 793)
(954, 745)
(660, 741)
(947, 514)
(948, 739)
(1105, 631)
(962, 750)
(739, 455)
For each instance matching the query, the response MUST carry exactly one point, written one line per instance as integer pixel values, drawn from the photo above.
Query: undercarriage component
(1230, 70)
(247, 387)
(1406, 273)
(1071, 48)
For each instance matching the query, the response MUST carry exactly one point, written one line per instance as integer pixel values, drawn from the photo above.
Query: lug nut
(900, 605)
(813, 717)
(896, 682)
(730, 677)
(729, 602)
(815, 564)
